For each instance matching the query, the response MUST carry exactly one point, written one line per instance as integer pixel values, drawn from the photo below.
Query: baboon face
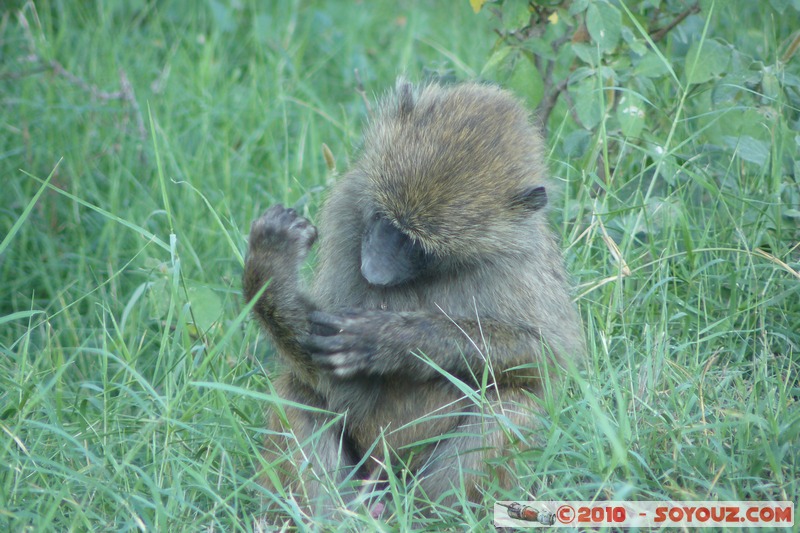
(446, 178)
(389, 255)
(392, 255)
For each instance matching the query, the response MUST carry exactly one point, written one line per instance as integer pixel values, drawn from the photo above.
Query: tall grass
(133, 384)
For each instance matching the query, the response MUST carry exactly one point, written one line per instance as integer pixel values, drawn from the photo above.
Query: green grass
(132, 383)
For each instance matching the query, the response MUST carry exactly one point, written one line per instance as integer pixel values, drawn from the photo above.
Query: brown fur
(449, 168)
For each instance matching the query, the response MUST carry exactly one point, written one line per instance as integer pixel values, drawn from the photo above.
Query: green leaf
(706, 60)
(515, 69)
(495, 62)
(585, 53)
(526, 81)
(631, 115)
(770, 86)
(516, 14)
(588, 101)
(578, 6)
(604, 23)
(159, 297)
(637, 47)
(206, 307)
(749, 149)
(650, 66)
(779, 5)
(725, 92)
(577, 143)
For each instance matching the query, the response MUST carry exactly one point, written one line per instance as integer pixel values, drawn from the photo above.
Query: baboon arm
(279, 241)
(281, 308)
(415, 343)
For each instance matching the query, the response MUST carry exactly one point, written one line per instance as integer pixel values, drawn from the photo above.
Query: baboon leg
(456, 461)
(458, 465)
(307, 451)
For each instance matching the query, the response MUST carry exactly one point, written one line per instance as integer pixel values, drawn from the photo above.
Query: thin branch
(95, 91)
(23, 74)
(125, 94)
(360, 90)
(549, 102)
(657, 35)
(571, 106)
(128, 96)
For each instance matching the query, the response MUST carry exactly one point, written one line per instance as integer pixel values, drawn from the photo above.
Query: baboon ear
(405, 97)
(531, 199)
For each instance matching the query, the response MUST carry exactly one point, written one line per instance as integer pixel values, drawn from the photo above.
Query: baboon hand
(283, 230)
(344, 344)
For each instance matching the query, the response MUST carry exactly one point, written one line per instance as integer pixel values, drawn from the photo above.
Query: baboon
(436, 271)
